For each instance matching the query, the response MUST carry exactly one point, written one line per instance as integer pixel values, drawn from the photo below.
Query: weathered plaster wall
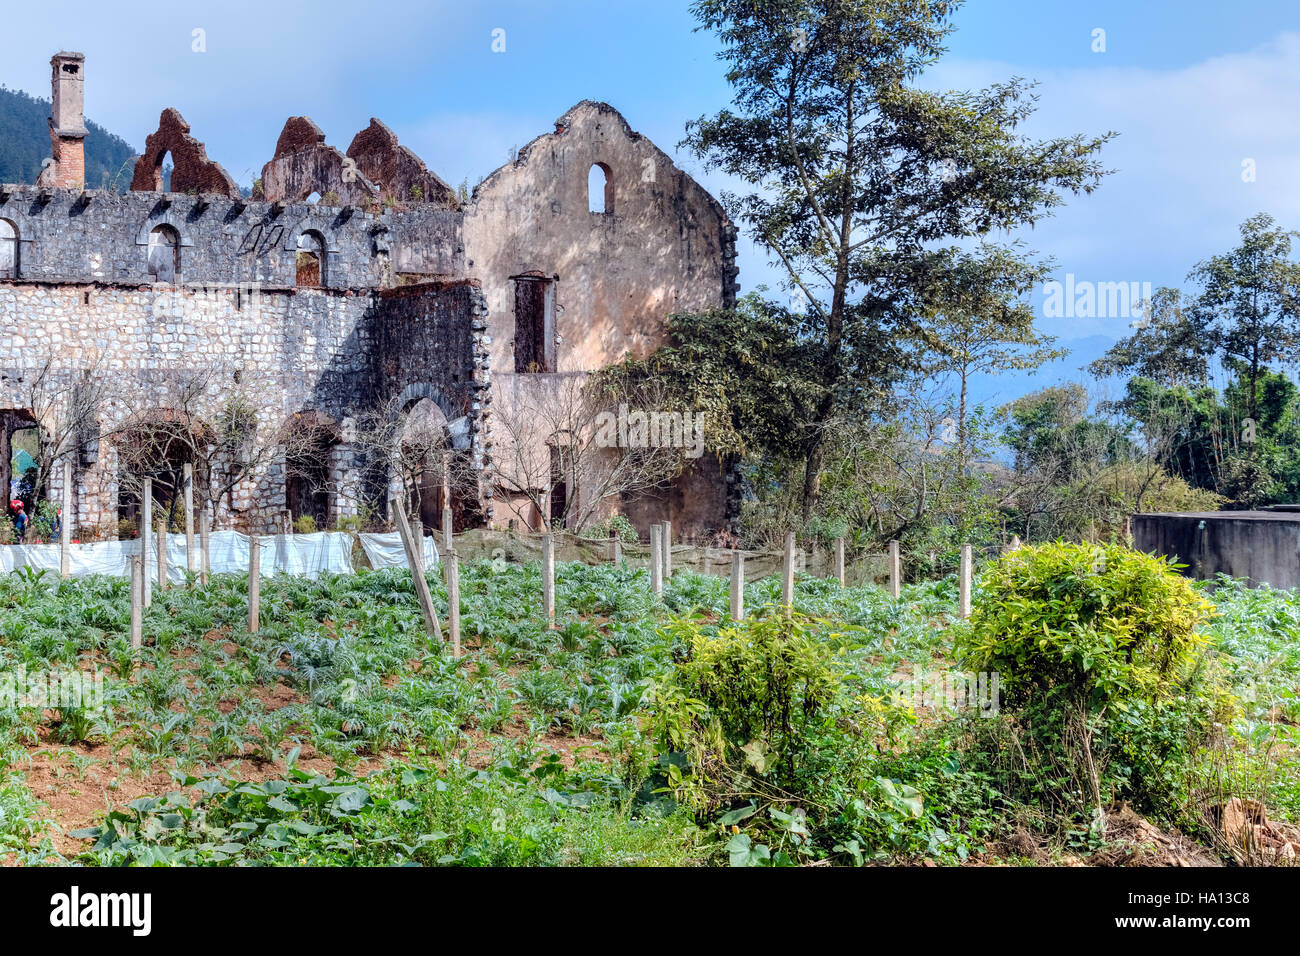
(662, 245)
(665, 247)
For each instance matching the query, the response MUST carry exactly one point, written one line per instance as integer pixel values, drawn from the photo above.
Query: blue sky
(1193, 87)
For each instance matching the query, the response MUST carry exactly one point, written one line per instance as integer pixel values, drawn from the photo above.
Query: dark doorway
(561, 474)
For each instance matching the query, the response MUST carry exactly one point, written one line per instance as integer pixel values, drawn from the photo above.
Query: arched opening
(8, 250)
(600, 189)
(309, 441)
(158, 444)
(424, 457)
(564, 479)
(311, 260)
(20, 456)
(164, 254)
(162, 172)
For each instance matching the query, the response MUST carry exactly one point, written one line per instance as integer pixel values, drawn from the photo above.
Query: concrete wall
(1260, 546)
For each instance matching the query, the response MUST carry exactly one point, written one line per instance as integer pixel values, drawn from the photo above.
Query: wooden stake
(146, 535)
(656, 559)
(137, 601)
(205, 532)
(446, 503)
(895, 571)
(65, 523)
(191, 556)
(254, 584)
(162, 554)
(668, 550)
(415, 558)
(839, 561)
(616, 550)
(737, 586)
(787, 575)
(548, 577)
(452, 565)
(965, 582)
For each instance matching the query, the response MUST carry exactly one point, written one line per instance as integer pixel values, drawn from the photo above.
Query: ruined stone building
(350, 281)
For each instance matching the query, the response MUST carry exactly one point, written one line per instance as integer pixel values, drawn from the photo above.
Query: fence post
(548, 577)
(963, 607)
(787, 574)
(446, 502)
(254, 584)
(737, 585)
(895, 571)
(839, 560)
(452, 566)
(415, 558)
(616, 550)
(205, 531)
(162, 554)
(191, 556)
(137, 601)
(146, 535)
(656, 559)
(706, 565)
(65, 523)
(668, 550)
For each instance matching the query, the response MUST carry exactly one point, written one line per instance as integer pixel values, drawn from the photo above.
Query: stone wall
(414, 296)
(103, 237)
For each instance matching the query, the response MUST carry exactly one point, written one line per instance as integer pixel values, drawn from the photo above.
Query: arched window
(164, 254)
(311, 260)
(162, 172)
(8, 250)
(600, 189)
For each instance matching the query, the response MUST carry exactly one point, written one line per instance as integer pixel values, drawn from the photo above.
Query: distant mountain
(25, 144)
(992, 391)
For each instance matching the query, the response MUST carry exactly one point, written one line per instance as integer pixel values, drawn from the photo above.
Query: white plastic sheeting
(307, 555)
(386, 551)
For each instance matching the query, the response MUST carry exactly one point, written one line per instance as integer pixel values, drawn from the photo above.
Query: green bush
(1102, 669)
(615, 526)
(305, 524)
(761, 730)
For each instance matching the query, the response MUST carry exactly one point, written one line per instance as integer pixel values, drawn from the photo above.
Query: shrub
(1102, 670)
(615, 526)
(304, 524)
(761, 730)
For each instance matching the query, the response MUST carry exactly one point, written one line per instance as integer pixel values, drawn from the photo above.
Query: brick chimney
(67, 126)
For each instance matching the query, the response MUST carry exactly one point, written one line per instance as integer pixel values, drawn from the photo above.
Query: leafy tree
(858, 177)
(981, 323)
(1249, 301)
(1170, 346)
